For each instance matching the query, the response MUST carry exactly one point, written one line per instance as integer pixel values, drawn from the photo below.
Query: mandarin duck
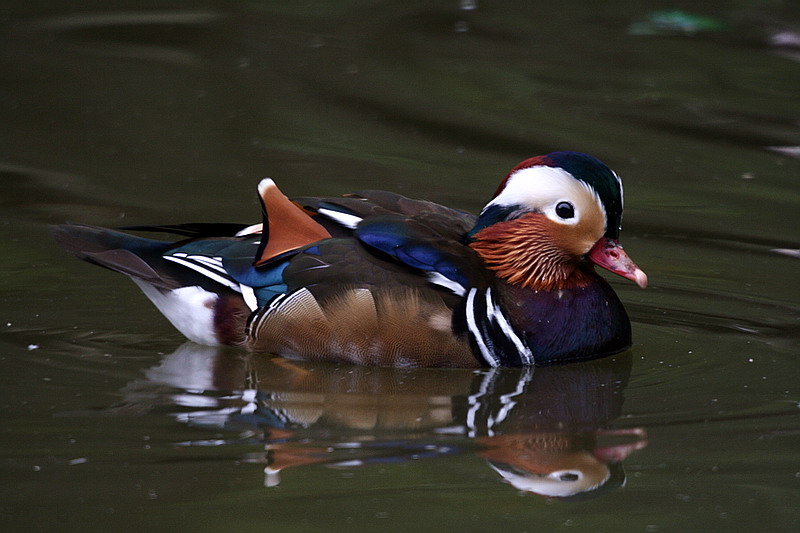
(379, 279)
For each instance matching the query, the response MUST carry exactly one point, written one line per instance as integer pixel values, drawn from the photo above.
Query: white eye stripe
(542, 188)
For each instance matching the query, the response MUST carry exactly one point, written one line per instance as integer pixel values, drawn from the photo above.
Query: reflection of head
(581, 481)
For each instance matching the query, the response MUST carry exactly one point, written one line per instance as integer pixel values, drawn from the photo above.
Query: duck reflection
(543, 430)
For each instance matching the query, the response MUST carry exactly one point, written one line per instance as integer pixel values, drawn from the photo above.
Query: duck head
(549, 217)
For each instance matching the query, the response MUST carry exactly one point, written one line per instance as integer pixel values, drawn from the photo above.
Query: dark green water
(134, 115)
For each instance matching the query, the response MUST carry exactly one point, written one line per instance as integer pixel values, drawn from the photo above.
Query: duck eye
(565, 210)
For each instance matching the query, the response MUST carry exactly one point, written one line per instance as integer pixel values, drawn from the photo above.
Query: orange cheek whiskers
(523, 252)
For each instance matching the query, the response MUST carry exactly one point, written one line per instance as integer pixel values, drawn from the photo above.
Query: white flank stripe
(497, 313)
(490, 307)
(439, 279)
(204, 271)
(249, 296)
(344, 219)
(473, 327)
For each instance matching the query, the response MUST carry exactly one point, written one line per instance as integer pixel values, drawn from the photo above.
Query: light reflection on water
(544, 431)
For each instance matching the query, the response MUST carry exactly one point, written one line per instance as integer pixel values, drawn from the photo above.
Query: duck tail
(197, 306)
(137, 257)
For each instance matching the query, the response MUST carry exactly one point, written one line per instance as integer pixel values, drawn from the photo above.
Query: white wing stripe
(204, 271)
(438, 279)
(211, 262)
(346, 220)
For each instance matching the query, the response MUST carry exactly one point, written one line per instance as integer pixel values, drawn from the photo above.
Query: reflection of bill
(543, 430)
